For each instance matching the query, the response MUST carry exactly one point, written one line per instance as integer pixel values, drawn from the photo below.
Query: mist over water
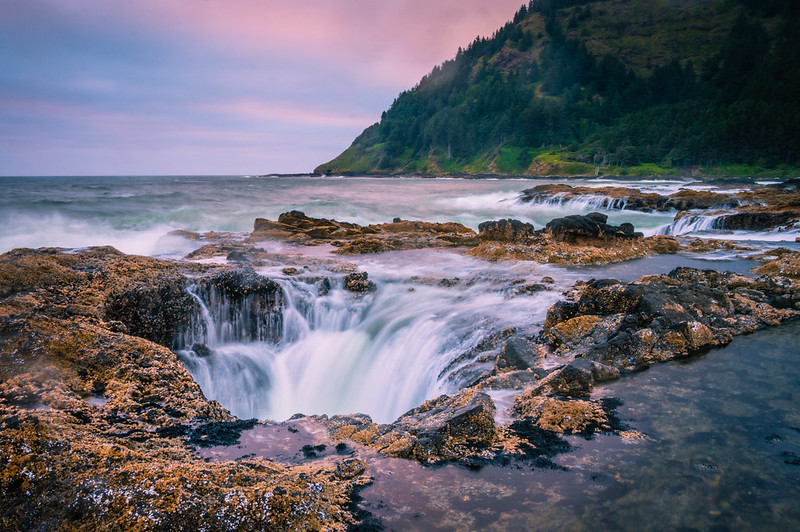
(381, 353)
(135, 214)
(335, 352)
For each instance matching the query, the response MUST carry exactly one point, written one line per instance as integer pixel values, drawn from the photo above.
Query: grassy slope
(643, 34)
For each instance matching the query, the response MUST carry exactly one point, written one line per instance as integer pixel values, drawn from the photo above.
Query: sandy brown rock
(782, 261)
(94, 421)
(447, 428)
(354, 239)
(565, 416)
(631, 198)
(546, 249)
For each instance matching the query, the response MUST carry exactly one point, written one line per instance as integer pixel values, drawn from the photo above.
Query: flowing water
(381, 353)
(135, 214)
(723, 429)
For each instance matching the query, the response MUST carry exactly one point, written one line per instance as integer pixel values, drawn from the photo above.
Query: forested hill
(646, 87)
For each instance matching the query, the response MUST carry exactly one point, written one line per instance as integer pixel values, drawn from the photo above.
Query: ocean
(722, 429)
(135, 214)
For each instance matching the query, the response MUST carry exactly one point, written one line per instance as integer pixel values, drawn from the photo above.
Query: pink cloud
(393, 42)
(288, 114)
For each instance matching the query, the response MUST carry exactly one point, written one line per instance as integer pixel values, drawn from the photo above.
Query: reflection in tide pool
(723, 453)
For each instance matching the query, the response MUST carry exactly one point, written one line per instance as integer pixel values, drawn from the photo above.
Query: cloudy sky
(93, 87)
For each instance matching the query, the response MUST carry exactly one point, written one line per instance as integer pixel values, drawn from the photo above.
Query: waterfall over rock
(236, 306)
(288, 346)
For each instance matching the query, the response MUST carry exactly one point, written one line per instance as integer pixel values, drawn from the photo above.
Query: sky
(212, 87)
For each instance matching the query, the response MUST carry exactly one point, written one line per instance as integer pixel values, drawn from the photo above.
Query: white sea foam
(57, 230)
(380, 354)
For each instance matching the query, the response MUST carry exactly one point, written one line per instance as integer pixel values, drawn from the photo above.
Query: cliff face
(583, 87)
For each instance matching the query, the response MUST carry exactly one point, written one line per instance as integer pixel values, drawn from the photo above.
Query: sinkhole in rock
(269, 349)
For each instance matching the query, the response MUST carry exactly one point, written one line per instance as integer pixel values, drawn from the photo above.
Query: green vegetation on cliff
(571, 87)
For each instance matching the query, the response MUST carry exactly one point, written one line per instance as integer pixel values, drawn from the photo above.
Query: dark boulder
(241, 283)
(755, 221)
(444, 427)
(631, 325)
(505, 230)
(592, 226)
(517, 353)
(155, 311)
(201, 350)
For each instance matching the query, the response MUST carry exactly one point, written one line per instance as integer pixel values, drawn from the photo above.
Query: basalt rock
(631, 325)
(606, 327)
(446, 427)
(454, 428)
(782, 261)
(575, 416)
(505, 230)
(593, 226)
(250, 302)
(631, 198)
(517, 353)
(544, 248)
(755, 221)
(574, 380)
(359, 282)
(240, 283)
(353, 239)
(152, 311)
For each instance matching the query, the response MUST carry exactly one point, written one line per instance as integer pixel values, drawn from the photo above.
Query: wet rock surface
(126, 461)
(593, 226)
(630, 325)
(353, 239)
(576, 240)
(782, 262)
(505, 230)
(754, 208)
(631, 198)
(102, 424)
(359, 282)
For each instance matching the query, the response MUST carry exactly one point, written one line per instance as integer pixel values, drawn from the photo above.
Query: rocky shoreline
(103, 426)
(760, 208)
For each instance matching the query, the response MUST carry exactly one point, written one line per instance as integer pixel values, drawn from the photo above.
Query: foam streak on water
(134, 214)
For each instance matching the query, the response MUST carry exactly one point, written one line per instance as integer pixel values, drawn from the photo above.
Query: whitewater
(135, 214)
(435, 323)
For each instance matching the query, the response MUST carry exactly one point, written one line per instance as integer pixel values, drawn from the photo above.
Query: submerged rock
(350, 468)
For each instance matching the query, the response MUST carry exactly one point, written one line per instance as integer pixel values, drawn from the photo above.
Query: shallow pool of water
(722, 453)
